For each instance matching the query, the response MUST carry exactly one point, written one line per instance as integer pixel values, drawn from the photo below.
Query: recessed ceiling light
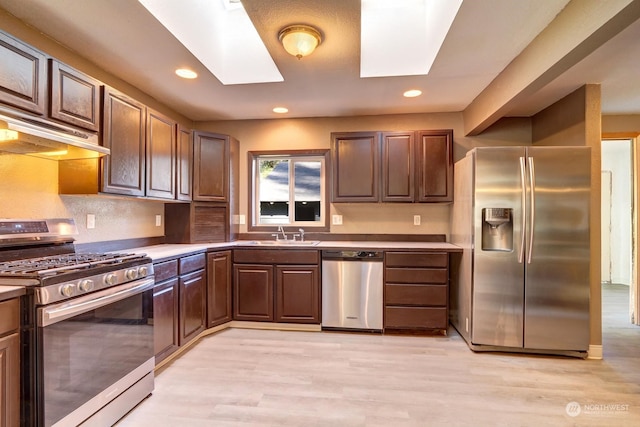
(412, 93)
(402, 38)
(220, 34)
(186, 73)
(280, 110)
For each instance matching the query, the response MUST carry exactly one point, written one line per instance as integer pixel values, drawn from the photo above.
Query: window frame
(253, 156)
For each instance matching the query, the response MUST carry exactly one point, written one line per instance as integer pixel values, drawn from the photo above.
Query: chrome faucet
(281, 230)
(301, 230)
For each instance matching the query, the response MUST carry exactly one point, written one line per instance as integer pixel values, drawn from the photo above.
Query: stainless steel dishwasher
(352, 290)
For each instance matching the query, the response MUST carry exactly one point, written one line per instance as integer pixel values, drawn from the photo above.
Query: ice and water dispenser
(497, 229)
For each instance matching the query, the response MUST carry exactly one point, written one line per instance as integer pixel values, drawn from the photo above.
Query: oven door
(92, 349)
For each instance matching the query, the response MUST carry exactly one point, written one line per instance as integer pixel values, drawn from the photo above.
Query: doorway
(618, 225)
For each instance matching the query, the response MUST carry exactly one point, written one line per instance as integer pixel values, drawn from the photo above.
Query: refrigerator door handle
(524, 203)
(532, 207)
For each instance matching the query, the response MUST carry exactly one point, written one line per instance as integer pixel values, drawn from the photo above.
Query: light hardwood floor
(242, 377)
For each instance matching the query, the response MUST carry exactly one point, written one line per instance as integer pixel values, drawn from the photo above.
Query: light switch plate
(91, 221)
(243, 219)
(416, 220)
(336, 220)
(158, 220)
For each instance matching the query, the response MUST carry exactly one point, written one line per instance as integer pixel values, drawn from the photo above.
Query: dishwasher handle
(352, 255)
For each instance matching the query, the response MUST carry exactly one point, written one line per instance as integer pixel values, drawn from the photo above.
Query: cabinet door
(22, 75)
(297, 294)
(218, 288)
(10, 380)
(75, 97)
(434, 157)
(184, 164)
(161, 156)
(355, 163)
(398, 166)
(123, 172)
(253, 292)
(193, 314)
(165, 318)
(210, 167)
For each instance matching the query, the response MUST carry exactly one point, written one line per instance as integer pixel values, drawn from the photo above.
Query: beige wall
(576, 120)
(29, 190)
(282, 134)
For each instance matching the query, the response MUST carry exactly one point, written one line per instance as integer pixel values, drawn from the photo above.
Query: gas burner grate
(55, 264)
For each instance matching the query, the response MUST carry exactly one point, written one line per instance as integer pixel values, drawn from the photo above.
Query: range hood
(35, 136)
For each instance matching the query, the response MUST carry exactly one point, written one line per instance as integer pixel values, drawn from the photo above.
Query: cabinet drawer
(416, 275)
(424, 295)
(416, 259)
(415, 317)
(9, 316)
(165, 270)
(275, 256)
(192, 263)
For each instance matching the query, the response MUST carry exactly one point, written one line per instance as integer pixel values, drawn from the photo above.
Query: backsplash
(29, 190)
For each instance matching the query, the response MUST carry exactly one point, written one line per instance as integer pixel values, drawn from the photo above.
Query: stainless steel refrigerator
(521, 215)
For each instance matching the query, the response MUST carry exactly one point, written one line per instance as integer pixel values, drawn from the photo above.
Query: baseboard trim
(595, 352)
(275, 326)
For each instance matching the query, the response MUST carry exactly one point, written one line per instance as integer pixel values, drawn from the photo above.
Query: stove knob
(67, 290)
(86, 285)
(143, 271)
(110, 279)
(132, 274)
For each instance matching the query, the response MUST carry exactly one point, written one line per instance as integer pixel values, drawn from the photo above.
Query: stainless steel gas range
(87, 329)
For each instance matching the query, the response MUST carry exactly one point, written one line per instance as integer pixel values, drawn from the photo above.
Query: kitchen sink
(283, 242)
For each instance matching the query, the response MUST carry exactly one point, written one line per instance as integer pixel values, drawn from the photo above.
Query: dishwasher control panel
(352, 255)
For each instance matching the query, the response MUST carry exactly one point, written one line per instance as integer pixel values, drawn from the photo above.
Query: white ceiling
(126, 40)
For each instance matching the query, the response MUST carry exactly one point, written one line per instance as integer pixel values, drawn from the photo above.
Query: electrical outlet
(91, 221)
(158, 220)
(466, 324)
(336, 220)
(416, 220)
(243, 219)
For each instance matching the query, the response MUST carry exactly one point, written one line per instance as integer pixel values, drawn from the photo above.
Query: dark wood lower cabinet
(193, 312)
(298, 294)
(253, 292)
(165, 318)
(9, 363)
(416, 291)
(218, 288)
(276, 285)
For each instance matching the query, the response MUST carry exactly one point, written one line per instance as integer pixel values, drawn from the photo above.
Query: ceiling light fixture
(186, 73)
(280, 110)
(412, 93)
(300, 40)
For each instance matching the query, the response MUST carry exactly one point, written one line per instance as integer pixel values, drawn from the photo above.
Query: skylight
(220, 34)
(403, 37)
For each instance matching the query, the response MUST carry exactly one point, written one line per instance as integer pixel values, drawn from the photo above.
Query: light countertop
(8, 292)
(159, 252)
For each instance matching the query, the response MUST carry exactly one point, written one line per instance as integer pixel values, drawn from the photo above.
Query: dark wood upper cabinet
(410, 166)
(355, 163)
(160, 156)
(123, 172)
(218, 288)
(23, 75)
(398, 166)
(74, 97)
(184, 164)
(211, 157)
(434, 166)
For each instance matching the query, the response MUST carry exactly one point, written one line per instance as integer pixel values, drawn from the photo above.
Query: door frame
(634, 299)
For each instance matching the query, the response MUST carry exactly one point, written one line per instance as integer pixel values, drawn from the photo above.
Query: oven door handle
(58, 312)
